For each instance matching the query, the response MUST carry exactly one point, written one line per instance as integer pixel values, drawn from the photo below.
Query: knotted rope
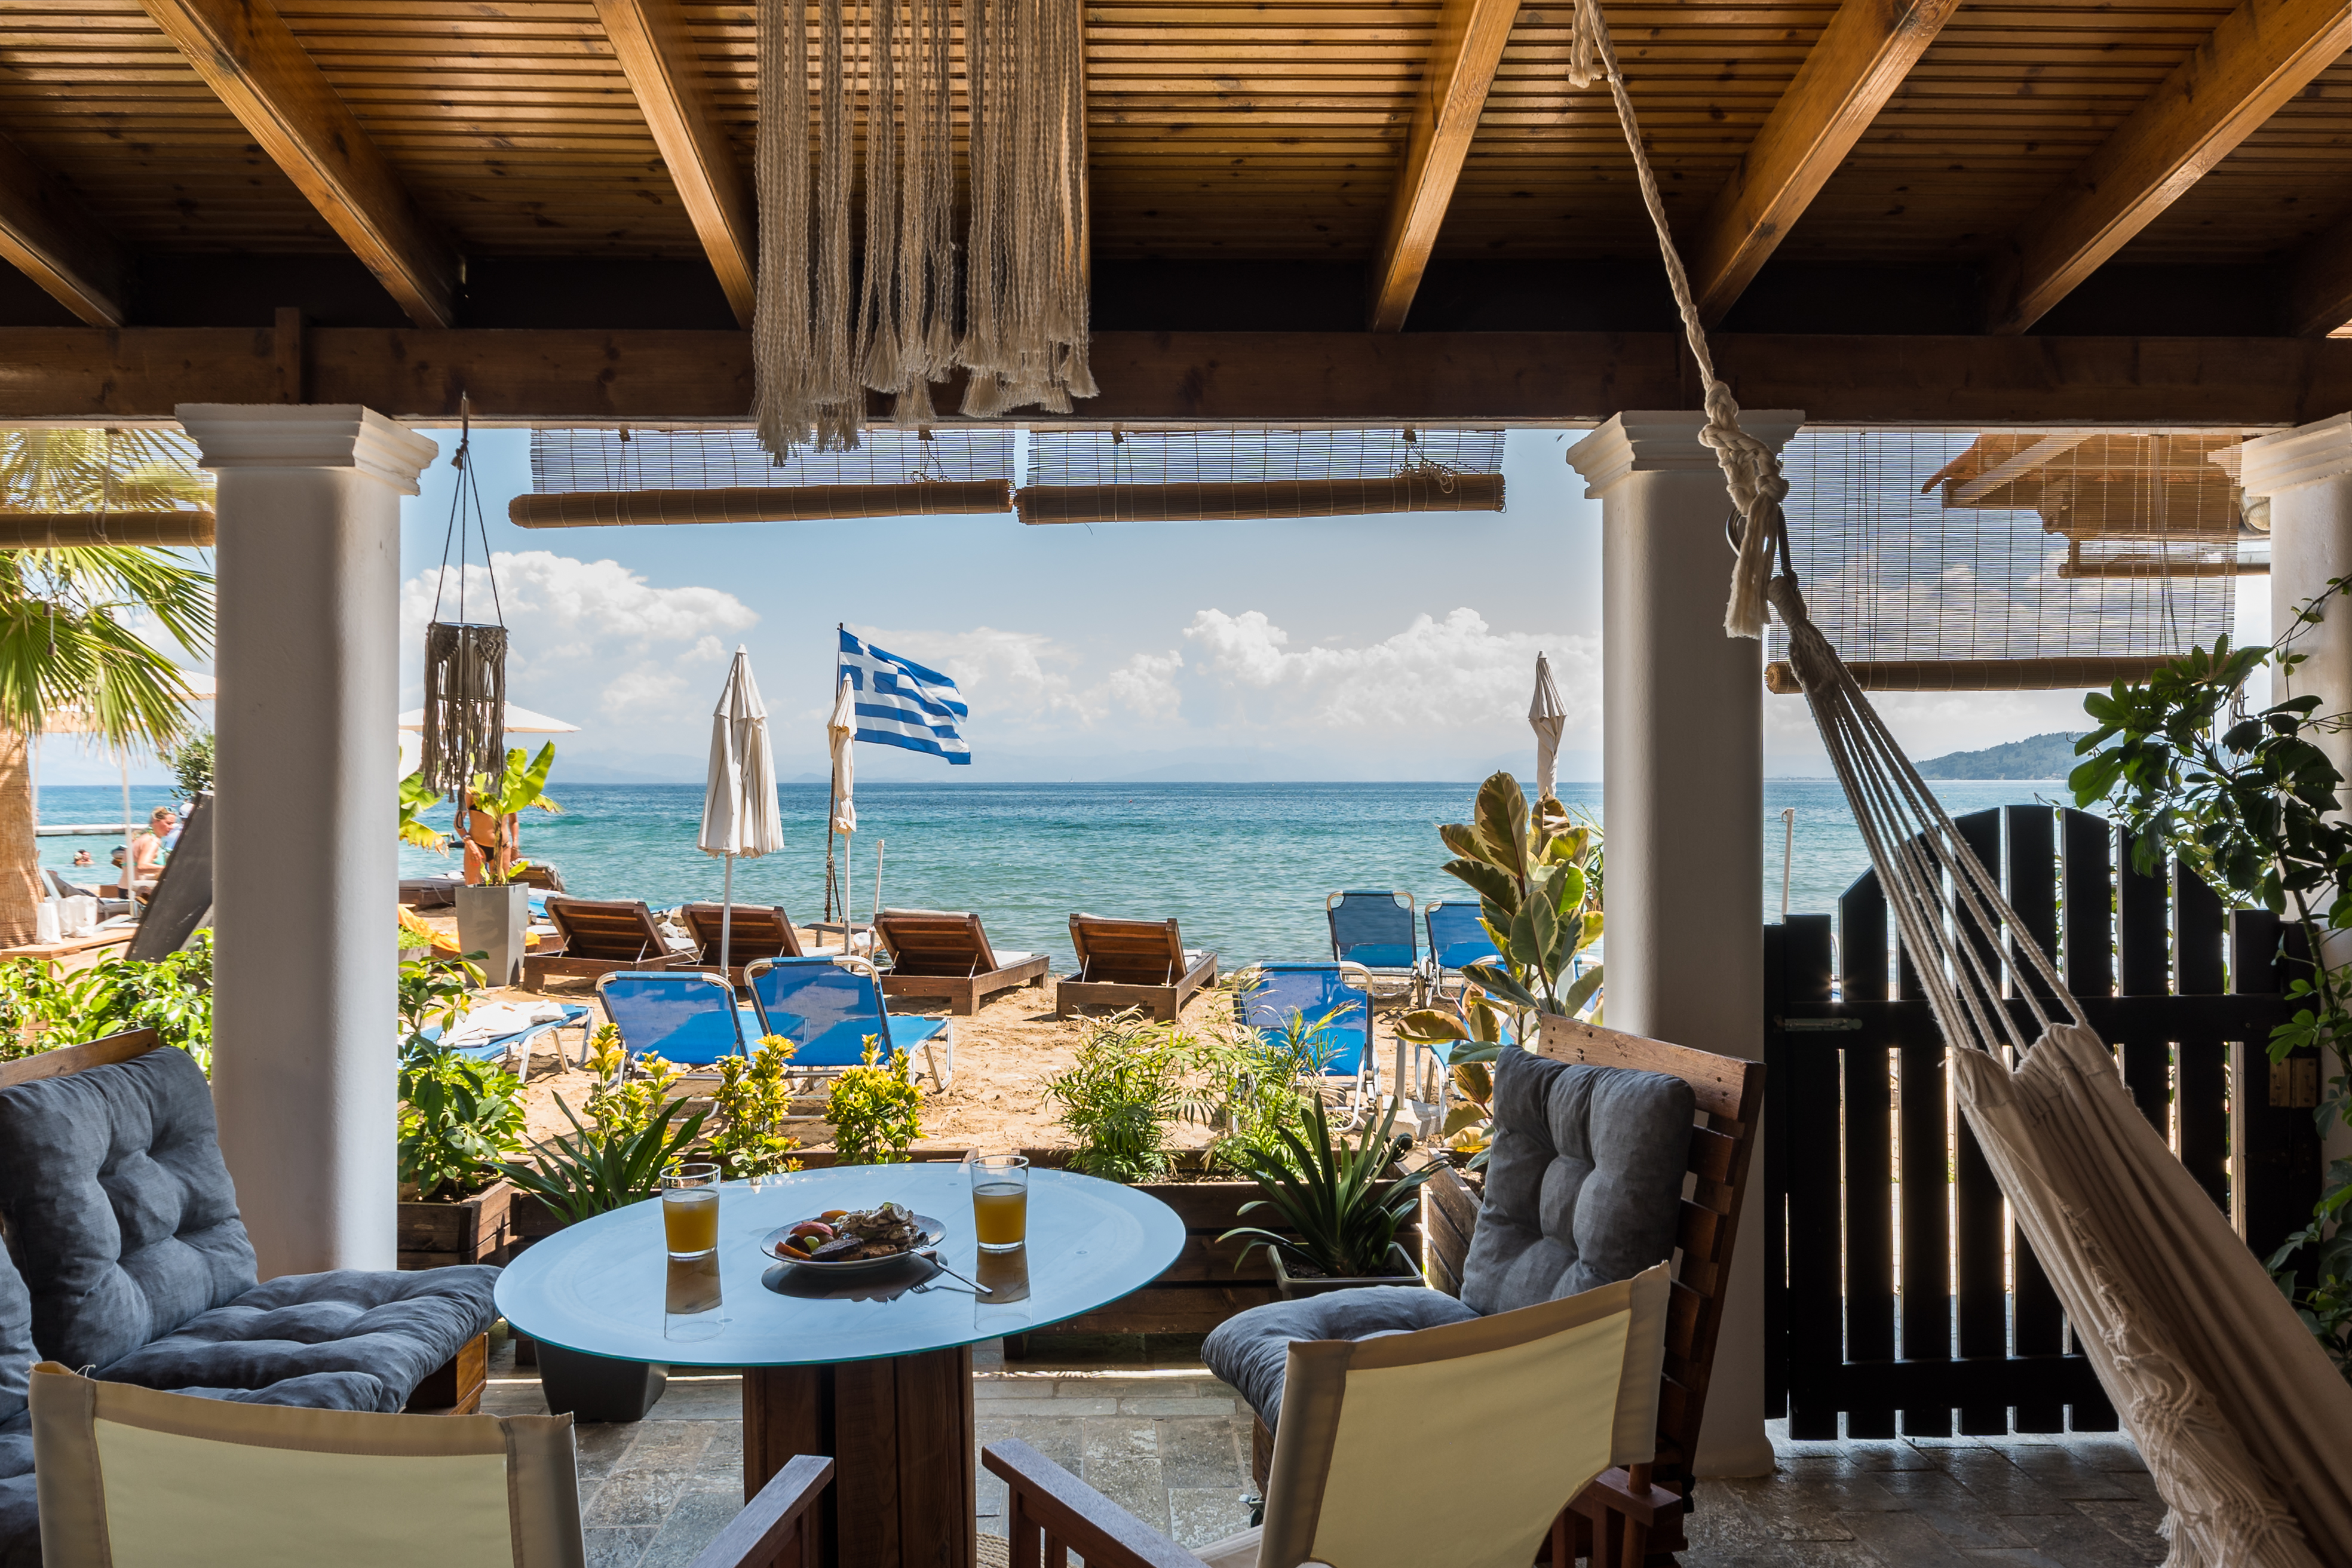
(1751, 470)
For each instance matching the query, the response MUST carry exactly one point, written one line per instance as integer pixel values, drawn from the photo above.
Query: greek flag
(900, 702)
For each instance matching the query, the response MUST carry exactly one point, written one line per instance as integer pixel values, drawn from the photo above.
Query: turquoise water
(93, 803)
(1245, 867)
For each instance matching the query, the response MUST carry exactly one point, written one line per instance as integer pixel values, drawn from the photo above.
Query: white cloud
(580, 626)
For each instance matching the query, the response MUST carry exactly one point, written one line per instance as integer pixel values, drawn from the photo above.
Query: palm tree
(69, 618)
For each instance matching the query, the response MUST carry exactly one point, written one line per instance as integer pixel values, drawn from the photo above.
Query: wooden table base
(900, 1430)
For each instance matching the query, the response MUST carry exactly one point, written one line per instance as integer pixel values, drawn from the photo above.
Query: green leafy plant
(1254, 1077)
(589, 1171)
(416, 799)
(1534, 896)
(191, 763)
(754, 1100)
(459, 1120)
(1327, 1194)
(433, 991)
(522, 788)
(2245, 796)
(42, 1006)
(1120, 1098)
(875, 1111)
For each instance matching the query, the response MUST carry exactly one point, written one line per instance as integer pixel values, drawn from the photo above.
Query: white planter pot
(492, 920)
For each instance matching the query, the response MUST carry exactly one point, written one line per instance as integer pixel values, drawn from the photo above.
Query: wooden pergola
(1894, 210)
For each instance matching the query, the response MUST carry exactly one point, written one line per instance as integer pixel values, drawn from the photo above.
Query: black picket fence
(1898, 1288)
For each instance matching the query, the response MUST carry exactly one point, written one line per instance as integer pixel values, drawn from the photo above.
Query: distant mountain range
(2036, 757)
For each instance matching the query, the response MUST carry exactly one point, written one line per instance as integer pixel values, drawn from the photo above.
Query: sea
(1245, 868)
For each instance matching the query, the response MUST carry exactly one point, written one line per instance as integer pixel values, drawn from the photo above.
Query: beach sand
(1003, 1055)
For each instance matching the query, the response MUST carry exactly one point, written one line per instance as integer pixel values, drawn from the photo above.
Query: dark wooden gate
(1899, 1293)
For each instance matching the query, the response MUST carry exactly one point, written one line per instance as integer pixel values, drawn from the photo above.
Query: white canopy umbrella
(519, 721)
(1549, 718)
(739, 816)
(839, 730)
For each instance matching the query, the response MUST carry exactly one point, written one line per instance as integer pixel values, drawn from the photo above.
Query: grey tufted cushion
(122, 1216)
(1584, 1186)
(1250, 1349)
(16, 1354)
(392, 1328)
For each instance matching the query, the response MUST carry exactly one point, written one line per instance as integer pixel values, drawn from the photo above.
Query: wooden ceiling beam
(1861, 57)
(79, 374)
(250, 58)
(2262, 54)
(47, 236)
(1465, 54)
(2319, 283)
(650, 40)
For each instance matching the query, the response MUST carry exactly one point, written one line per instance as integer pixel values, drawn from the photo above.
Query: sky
(1395, 647)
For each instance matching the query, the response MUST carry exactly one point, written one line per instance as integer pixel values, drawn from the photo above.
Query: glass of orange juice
(689, 1199)
(1000, 1201)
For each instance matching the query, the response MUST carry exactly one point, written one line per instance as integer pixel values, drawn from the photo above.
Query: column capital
(307, 435)
(1666, 442)
(2304, 455)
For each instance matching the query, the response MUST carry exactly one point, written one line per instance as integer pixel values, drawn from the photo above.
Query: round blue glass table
(873, 1369)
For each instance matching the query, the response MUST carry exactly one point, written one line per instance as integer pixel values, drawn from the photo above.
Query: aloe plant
(1529, 871)
(1328, 1193)
(588, 1172)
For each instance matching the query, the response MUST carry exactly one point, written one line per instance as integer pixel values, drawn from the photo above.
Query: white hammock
(2244, 1423)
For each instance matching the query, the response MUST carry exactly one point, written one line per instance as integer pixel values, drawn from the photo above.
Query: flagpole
(833, 775)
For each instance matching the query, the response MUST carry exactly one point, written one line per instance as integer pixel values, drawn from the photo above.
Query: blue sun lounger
(1455, 938)
(1310, 992)
(1375, 930)
(685, 1017)
(828, 1005)
(515, 1046)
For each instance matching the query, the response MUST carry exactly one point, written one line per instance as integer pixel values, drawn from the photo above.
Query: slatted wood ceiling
(1226, 127)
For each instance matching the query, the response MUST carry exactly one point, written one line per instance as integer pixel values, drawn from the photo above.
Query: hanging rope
(465, 662)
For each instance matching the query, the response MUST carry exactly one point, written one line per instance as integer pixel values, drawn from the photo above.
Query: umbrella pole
(130, 855)
(727, 921)
(832, 797)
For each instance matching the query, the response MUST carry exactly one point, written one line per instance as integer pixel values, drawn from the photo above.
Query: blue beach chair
(1455, 938)
(515, 1046)
(1375, 930)
(1310, 991)
(826, 1007)
(684, 1017)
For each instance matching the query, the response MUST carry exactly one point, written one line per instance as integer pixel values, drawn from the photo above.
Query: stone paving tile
(2134, 1523)
(628, 1499)
(617, 1548)
(691, 1526)
(1122, 1462)
(1044, 1405)
(1784, 1507)
(1177, 1406)
(2080, 1541)
(1198, 1515)
(1993, 1480)
(1200, 1451)
(1950, 1509)
(1904, 1540)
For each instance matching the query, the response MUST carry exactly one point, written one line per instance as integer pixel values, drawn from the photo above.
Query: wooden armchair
(1633, 1511)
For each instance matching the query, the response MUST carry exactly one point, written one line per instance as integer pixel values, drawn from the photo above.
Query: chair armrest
(1045, 1496)
(763, 1534)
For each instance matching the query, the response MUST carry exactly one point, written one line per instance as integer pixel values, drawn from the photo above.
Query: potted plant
(494, 904)
(635, 1130)
(459, 1119)
(1340, 1219)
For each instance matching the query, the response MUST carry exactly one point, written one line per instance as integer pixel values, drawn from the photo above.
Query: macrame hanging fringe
(884, 84)
(465, 705)
(2244, 1423)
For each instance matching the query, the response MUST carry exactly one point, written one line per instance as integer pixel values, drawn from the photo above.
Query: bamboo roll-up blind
(762, 503)
(64, 531)
(1418, 491)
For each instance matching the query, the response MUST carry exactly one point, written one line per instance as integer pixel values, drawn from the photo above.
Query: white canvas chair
(130, 1475)
(1540, 1400)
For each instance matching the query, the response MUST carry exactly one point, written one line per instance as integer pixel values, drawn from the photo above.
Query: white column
(305, 861)
(2306, 475)
(1683, 798)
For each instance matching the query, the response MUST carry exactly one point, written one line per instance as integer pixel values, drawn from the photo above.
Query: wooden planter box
(477, 1230)
(1202, 1287)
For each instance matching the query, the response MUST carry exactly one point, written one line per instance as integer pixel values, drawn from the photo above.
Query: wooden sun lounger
(601, 937)
(935, 953)
(1132, 964)
(759, 931)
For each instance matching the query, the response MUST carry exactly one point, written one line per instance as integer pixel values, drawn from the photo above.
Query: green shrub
(42, 1006)
(459, 1119)
(754, 1100)
(632, 1135)
(875, 1111)
(1120, 1098)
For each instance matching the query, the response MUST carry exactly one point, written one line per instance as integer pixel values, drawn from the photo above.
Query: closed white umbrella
(739, 816)
(839, 730)
(1548, 719)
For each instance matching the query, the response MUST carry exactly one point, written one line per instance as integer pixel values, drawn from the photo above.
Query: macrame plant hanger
(464, 661)
(2244, 1423)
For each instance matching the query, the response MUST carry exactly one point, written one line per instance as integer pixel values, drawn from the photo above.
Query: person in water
(81, 858)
